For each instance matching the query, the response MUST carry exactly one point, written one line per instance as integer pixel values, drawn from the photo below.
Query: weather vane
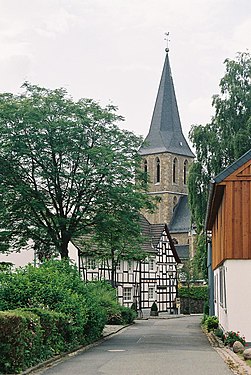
(167, 40)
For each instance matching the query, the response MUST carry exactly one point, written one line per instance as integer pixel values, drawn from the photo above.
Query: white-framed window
(151, 293)
(118, 265)
(127, 294)
(222, 282)
(151, 264)
(91, 264)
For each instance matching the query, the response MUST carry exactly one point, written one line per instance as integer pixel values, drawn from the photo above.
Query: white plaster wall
(236, 317)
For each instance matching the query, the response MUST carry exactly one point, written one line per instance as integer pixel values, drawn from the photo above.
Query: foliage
(211, 323)
(56, 285)
(56, 331)
(220, 142)
(230, 337)
(196, 292)
(154, 307)
(20, 341)
(219, 333)
(64, 166)
(125, 316)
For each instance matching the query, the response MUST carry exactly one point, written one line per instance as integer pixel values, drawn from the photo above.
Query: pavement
(173, 345)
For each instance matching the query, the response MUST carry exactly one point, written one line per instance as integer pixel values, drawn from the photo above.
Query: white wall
(236, 316)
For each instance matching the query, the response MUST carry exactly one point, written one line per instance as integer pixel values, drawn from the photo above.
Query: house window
(175, 162)
(151, 264)
(185, 172)
(157, 170)
(127, 294)
(151, 293)
(129, 265)
(222, 285)
(91, 264)
(118, 265)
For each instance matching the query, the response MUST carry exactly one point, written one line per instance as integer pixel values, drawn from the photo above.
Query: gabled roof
(233, 167)
(181, 219)
(216, 190)
(165, 134)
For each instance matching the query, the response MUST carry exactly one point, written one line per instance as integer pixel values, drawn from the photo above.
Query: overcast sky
(114, 50)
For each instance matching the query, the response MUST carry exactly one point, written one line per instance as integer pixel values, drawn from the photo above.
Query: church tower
(166, 157)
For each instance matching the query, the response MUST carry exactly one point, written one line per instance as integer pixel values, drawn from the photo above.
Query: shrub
(211, 323)
(56, 331)
(196, 292)
(230, 337)
(125, 316)
(20, 340)
(154, 307)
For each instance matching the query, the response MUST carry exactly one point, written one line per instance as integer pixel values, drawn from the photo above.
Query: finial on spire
(167, 40)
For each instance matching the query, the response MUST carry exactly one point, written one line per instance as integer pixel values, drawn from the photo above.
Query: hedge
(195, 292)
(53, 311)
(20, 341)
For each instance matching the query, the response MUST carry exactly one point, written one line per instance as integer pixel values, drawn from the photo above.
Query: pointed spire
(165, 134)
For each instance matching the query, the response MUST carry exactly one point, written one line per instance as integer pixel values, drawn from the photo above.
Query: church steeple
(165, 134)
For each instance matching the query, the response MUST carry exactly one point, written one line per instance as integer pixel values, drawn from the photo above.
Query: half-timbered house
(140, 282)
(228, 224)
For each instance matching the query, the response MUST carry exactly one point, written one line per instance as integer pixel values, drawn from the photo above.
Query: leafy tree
(63, 164)
(221, 142)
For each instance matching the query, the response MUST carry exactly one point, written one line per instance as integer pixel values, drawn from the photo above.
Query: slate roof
(165, 134)
(181, 219)
(182, 251)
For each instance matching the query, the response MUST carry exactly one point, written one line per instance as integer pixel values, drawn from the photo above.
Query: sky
(113, 51)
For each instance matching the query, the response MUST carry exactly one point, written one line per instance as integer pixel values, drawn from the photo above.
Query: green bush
(230, 337)
(125, 316)
(70, 312)
(195, 292)
(211, 323)
(154, 307)
(56, 331)
(20, 341)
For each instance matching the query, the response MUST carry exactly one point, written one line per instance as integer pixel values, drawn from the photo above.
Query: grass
(247, 361)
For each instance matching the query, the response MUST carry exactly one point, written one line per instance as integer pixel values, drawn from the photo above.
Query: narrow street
(149, 347)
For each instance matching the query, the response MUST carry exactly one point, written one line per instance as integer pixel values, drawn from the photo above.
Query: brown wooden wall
(231, 232)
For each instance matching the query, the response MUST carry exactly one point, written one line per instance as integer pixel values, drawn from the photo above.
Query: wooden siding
(231, 231)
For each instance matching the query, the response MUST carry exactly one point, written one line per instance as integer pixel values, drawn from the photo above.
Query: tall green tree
(222, 141)
(62, 163)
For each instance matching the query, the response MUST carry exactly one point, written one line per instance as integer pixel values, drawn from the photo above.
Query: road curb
(235, 364)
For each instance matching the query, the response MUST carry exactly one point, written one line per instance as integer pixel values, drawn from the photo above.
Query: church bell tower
(166, 155)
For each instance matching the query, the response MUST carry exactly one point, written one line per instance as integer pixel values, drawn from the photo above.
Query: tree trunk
(64, 248)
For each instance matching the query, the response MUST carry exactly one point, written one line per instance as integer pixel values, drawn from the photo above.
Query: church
(166, 157)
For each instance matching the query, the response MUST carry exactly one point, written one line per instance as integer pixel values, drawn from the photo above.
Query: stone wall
(196, 306)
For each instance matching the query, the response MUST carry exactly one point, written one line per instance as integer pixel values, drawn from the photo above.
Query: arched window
(185, 172)
(145, 170)
(145, 166)
(174, 202)
(175, 165)
(157, 170)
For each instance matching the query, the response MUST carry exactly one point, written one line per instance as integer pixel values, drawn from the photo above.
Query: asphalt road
(149, 347)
